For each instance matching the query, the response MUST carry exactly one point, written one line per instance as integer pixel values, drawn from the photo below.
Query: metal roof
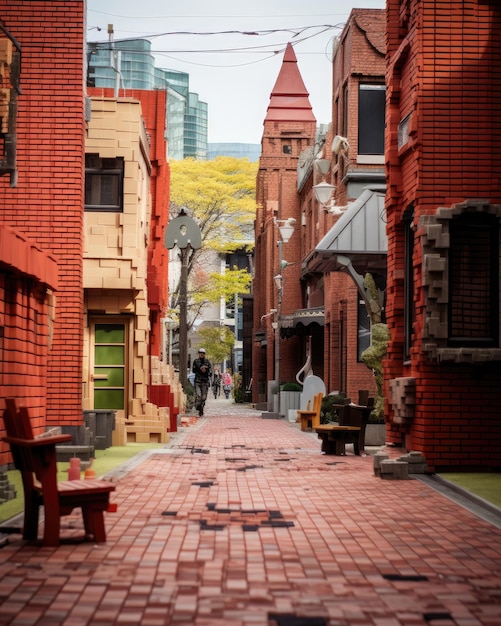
(359, 234)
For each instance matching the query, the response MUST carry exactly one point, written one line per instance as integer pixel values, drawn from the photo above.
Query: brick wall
(27, 280)
(276, 196)
(444, 90)
(46, 205)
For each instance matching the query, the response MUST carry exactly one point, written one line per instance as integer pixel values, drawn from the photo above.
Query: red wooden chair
(35, 458)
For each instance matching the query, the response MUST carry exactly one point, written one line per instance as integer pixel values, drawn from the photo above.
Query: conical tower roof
(289, 98)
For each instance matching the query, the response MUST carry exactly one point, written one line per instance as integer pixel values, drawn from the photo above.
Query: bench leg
(31, 518)
(94, 523)
(340, 449)
(52, 527)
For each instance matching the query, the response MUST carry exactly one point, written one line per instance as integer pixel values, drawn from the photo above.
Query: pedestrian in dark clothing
(203, 372)
(216, 383)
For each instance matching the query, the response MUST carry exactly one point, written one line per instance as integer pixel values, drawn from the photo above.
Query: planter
(289, 400)
(375, 434)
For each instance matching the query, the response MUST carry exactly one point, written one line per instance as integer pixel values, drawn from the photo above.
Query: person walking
(227, 383)
(216, 383)
(202, 369)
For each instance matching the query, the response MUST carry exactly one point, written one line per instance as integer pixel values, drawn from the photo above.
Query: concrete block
(416, 462)
(379, 457)
(65, 453)
(394, 470)
(270, 415)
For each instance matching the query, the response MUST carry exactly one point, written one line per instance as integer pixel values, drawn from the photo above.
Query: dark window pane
(371, 119)
(103, 183)
(364, 329)
(473, 280)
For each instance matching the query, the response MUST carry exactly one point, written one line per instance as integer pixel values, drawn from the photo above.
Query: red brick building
(289, 128)
(346, 237)
(45, 117)
(321, 307)
(323, 313)
(443, 205)
(41, 208)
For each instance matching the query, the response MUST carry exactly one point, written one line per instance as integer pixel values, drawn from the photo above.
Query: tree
(218, 341)
(220, 195)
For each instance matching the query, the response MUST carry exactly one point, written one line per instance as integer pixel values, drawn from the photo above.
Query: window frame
(370, 122)
(101, 169)
(464, 226)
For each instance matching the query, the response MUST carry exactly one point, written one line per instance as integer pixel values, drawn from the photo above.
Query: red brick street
(241, 520)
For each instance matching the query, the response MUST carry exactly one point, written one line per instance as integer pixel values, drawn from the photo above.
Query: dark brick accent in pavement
(234, 535)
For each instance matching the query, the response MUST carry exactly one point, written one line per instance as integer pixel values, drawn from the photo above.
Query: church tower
(289, 128)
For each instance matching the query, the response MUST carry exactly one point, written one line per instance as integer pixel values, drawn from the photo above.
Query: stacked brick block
(120, 280)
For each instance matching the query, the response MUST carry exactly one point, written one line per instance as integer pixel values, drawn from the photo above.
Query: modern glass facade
(130, 64)
(195, 128)
(251, 151)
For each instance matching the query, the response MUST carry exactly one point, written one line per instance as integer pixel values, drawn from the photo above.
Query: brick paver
(242, 521)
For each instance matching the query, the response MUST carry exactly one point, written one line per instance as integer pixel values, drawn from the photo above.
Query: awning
(359, 235)
(305, 317)
(301, 322)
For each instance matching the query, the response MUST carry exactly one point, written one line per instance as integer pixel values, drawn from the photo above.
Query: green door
(109, 366)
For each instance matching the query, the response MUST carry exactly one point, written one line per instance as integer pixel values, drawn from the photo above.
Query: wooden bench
(35, 458)
(311, 418)
(353, 420)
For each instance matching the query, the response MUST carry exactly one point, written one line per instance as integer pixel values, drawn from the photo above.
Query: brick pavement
(241, 521)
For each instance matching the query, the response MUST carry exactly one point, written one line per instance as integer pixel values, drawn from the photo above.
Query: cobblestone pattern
(241, 521)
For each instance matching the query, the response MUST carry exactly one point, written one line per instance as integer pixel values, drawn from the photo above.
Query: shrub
(189, 392)
(292, 387)
(328, 412)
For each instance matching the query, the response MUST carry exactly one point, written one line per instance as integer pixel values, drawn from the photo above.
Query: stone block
(379, 457)
(416, 462)
(270, 415)
(65, 453)
(394, 470)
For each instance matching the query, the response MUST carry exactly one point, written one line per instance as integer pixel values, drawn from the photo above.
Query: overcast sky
(234, 72)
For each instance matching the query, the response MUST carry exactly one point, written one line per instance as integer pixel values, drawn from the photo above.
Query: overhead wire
(276, 48)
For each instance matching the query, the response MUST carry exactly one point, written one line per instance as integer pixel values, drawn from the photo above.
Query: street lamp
(184, 233)
(286, 229)
(323, 192)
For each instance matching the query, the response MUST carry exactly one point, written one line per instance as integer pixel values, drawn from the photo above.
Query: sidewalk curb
(480, 507)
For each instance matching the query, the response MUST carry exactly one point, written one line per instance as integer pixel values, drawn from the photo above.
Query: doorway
(108, 367)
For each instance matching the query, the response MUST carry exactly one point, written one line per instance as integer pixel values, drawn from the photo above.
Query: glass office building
(130, 64)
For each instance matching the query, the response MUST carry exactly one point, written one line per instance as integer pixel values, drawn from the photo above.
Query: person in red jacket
(227, 383)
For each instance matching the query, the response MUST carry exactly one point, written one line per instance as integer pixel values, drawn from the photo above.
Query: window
(460, 282)
(344, 112)
(371, 119)
(474, 280)
(409, 308)
(364, 329)
(103, 183)
(403, 131)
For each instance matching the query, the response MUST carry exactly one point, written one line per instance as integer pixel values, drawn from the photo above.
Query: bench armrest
(34, 443)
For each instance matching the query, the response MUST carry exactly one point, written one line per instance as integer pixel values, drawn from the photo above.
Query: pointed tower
(289, 128)
(289, 100)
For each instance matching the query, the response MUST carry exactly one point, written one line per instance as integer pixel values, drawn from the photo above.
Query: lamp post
(184, 233)
(286, 229)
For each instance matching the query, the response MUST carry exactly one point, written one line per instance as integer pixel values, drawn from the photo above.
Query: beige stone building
(118, 366)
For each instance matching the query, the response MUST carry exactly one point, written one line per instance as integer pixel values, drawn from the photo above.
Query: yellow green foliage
(218, 341)
(220, 195)
(216, 286)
